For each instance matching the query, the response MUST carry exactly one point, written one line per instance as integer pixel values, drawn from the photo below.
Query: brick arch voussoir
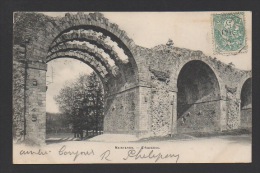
(81, 48)
(86, 58)
(92, 40)
(210, 63)
(244, 78)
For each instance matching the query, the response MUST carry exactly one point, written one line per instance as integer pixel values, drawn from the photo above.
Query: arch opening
(100, 43)
(80, 100)
(82, 49)
(93, 50)
(87, 59)
(197, 98)
(246, 104)
(119, 84)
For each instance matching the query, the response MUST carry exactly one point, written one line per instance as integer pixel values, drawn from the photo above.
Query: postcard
(132, 87)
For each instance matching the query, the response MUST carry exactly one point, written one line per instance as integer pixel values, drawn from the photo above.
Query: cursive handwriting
(76, 154)
(105, 155)
(30, 152)
(136, 154)
(140, 155)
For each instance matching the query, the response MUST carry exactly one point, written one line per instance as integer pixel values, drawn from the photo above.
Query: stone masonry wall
(121, 112)
(36, 103)
(157, 67)
(161, 109)
(201, 117)
(246, 118)
(233, 109)
(144, 112)
(18, 93)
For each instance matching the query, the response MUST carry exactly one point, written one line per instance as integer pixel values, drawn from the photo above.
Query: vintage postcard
(132, 87)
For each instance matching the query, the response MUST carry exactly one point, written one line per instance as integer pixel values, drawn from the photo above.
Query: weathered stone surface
(121, 111)
(246, 104)
(36, 106)
(233, 109)
(156, 92)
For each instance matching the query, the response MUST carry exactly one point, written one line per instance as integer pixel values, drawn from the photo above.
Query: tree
(56, 122)
(82, 101)
(95, 102)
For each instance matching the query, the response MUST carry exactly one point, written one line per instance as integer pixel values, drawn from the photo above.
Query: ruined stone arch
(210, 65)
(244, 78)
(83, 49)
(92, 40)
(193, 63)
(47, 38)
(44, 41)
(87, 59)
(244, 94)
(198, 98)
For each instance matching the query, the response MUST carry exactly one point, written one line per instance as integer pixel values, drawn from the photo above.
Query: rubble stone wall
(121, 112)
(36, 103)
(201, 117)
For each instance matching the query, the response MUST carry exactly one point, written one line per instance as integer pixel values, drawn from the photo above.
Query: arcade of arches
(148, 92)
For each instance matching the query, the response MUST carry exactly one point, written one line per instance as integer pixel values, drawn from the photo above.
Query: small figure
(170, 43)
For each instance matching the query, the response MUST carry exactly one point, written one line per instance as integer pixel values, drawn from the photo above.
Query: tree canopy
(82, 100)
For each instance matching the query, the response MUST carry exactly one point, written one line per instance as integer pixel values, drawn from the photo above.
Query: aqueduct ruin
(154, 92)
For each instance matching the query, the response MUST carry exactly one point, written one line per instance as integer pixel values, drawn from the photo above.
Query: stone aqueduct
(155, 92)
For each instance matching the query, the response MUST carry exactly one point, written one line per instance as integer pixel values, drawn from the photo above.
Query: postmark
(229, 34)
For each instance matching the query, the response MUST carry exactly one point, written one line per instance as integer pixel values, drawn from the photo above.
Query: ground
(182, 148)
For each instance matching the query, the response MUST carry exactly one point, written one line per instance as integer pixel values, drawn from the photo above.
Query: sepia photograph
(132, 87)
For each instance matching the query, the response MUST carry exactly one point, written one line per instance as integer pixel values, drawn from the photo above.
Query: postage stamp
(229, 34)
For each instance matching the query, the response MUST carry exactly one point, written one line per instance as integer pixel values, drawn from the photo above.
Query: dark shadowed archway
(246, 104)
(197, 98)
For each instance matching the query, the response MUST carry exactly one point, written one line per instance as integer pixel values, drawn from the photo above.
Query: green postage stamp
(229, 34)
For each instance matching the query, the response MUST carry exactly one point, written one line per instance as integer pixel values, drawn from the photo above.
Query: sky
(191, 30)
